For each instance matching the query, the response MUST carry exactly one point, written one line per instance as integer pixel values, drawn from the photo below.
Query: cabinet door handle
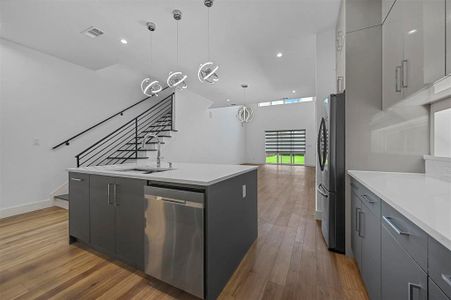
(370, 201)
(394, 227)
(360, 223)
(410, 287)
(357, 218)
(404, 73)
(447, 279)
(109, 194)
(76, 179)
(398, 79)
(116, 203)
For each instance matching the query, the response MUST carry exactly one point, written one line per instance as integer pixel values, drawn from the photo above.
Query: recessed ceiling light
(293, 91)
(228, 100)
(412, 31)
(124, 41)
(279, 54)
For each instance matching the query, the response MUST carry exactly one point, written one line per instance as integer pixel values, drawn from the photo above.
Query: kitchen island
(189, 225)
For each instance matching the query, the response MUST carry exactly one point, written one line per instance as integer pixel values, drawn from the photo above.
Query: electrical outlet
(244, 191)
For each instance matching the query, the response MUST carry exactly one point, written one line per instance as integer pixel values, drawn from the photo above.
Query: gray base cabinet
(108, 214)
(365, 238)
(102, 214)
(117, 218)
(396, 258)
(79, 206)
(402, 278)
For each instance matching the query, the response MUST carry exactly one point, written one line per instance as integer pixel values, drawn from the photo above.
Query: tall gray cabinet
(79, 206)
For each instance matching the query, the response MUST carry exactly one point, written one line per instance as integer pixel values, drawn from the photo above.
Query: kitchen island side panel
(231, 228)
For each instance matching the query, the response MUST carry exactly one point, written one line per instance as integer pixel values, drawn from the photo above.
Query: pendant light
(177, 79)
(245, 114)
(150, 87)
(207, 71)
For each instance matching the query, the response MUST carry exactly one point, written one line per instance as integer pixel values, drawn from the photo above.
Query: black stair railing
(120, 113)
(125, 143)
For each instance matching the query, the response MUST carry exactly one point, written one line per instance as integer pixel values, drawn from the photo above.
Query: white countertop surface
(186, 173)
(423, 199)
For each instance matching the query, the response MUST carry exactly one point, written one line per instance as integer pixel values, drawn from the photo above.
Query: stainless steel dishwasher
(174, 238)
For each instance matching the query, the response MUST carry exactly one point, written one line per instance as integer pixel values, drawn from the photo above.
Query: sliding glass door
(285, 147)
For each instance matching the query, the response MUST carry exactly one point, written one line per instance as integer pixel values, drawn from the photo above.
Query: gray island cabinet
(107, 212)
(396, 258)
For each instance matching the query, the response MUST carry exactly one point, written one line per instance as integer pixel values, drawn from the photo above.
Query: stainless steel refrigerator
(331, 176)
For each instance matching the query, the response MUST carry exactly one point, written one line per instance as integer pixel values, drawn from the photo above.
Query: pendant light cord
(208, 32)
(177, 42)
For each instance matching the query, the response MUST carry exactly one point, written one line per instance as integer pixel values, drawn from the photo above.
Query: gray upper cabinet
(401, 277)
(129, 223)
(413, 48)
(448, 36)
(102, 213)
(79, 206)
(392, 56)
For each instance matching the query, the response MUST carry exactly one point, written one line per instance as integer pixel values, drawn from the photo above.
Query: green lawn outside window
(285, 159)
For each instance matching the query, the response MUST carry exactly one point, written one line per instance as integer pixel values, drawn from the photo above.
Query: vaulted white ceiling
(245, 37)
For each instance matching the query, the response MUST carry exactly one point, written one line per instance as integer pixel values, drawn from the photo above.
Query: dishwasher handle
(179, 202)
(174, 194)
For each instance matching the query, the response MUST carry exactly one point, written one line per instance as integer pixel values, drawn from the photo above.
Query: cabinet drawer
(368, 198)
(440, 265)
(409, 236)
(401, 276)
(435, 293)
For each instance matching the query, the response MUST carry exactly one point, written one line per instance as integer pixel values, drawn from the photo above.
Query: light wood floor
(289, 260)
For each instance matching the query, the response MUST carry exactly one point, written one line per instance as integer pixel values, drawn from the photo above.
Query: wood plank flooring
(289, 260)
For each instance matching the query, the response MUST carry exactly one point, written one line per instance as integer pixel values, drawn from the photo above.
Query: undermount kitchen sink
(145, 170)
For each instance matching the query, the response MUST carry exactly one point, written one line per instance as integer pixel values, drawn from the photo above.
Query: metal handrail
(120, 113)
(103, 151)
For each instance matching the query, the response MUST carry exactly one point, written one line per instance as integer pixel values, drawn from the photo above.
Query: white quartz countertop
(423, 199)
(185, 173)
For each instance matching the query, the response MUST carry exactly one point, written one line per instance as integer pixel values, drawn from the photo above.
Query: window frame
(436, 107)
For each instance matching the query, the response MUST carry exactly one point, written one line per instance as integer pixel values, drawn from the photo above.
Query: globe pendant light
(150, 87)
(177, 79)
(245, 114)
(207, 71)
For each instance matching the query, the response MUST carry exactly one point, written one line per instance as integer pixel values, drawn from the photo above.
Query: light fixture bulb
(177, 80)
(150, 87)
(293, 91)
(207, 73)
(279, 55)
(124, 41)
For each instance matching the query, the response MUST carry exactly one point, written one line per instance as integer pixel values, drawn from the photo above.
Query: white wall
(325, 84)
(45, 100)
(204, 135)
(278, 117)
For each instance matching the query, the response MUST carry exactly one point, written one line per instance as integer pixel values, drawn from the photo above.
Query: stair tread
(114, 157)
(131, 143)
(64, 197)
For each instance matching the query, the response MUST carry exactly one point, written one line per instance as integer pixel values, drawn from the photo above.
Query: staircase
(125, 143)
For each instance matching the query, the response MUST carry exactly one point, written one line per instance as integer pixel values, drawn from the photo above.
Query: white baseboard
(24, 208)
(317, 215)
(61, 203)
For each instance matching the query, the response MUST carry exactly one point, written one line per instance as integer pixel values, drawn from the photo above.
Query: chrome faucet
(149, 136)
